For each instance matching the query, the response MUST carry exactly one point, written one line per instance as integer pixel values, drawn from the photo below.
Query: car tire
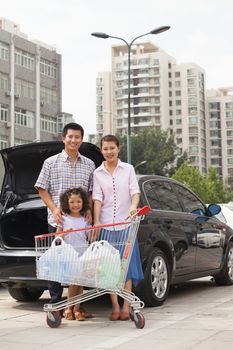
(155, 287)
(25, 294)
(225, 277)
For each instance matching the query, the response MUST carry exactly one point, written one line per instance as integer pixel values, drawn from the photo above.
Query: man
(60, 172)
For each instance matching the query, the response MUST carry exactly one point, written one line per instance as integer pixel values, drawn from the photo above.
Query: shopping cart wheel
(139, 320)
(53, 319)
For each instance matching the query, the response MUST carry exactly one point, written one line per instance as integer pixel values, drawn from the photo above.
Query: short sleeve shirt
(115, 191)
(59, 173)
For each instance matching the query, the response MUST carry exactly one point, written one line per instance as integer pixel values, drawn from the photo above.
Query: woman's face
(110, 151)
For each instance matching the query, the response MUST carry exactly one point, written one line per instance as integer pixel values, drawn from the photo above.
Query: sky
(201, 32)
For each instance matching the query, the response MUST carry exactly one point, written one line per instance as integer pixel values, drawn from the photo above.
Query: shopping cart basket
(102, 265)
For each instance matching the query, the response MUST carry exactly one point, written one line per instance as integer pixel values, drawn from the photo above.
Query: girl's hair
(109, 138)
(64, 200)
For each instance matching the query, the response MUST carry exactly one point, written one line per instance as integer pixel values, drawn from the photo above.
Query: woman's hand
(88, 216)
(133, 212)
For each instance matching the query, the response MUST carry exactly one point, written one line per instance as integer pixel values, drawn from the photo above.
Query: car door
(168, 213)
(208, 236)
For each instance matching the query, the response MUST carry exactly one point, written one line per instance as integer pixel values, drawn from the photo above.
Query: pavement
(197, 315)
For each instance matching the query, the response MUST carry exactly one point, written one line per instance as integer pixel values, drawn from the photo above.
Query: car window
(191, 203)
(220, 216)
(160, 196)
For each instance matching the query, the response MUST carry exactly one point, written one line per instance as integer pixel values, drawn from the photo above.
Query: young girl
(116, 195)
(74, 204)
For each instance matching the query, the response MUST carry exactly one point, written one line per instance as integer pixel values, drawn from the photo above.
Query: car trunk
(24, 215)
(18, 228)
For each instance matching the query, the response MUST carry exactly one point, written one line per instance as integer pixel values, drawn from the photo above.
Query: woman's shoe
(69, 315)
(79, 316)
(124, 315)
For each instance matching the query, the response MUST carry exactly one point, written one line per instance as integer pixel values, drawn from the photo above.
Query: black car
(179, 239)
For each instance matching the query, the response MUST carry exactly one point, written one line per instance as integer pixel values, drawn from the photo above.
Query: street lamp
(139, 164)
(106, 36)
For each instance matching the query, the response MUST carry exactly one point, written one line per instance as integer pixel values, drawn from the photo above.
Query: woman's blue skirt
(118, 239)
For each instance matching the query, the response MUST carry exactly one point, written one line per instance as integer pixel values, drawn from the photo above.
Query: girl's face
(75, 204)
(110, 151)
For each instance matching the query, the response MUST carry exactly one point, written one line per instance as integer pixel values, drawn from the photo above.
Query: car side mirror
(213, 209)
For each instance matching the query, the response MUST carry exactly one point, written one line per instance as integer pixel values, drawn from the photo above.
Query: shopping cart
(102, 265)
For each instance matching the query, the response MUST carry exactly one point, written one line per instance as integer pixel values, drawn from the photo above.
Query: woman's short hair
(109, 138)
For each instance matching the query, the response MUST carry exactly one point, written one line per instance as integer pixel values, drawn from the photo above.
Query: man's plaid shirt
(59, 173)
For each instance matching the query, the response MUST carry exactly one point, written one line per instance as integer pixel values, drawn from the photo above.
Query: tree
(155, 147)
(192, 178)
(209, 187)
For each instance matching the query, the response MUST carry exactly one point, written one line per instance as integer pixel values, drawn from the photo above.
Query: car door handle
(167, 224)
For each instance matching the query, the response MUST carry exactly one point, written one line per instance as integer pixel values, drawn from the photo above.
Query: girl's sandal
(79, 316)
(68, 314)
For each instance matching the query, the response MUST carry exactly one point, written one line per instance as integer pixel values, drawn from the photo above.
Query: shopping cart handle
(144, 210)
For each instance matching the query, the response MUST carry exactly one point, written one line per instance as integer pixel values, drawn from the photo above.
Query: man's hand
(57, 214)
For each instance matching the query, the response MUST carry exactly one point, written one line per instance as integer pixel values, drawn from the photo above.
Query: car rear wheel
(156, 279)
(25, 294)
(225, 277)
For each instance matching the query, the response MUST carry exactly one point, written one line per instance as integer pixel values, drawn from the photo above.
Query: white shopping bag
(59, 263)
(101, 265)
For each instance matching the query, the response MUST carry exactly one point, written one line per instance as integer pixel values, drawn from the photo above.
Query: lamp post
(129, 45)
(139, 164)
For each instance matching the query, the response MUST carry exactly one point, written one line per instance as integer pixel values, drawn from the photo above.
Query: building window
(24, 88)
(4, 82)
(178, 102)
(3, 142)
(3, 113)
(19, 142)
(177, 74)
(24, 59)
(48, 124)
(4, 51)
(214, 105)
(192, 110)
(229, 105)
(48, 68)
(178, 93)
(24, 118)
(48, 96)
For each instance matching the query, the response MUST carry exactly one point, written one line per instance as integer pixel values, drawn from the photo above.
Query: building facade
(220, 131)
(163, 95)
(30, 88)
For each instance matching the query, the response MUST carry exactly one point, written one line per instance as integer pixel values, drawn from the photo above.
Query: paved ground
(197, 315)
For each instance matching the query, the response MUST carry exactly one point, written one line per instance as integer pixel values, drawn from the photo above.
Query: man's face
(72, 140)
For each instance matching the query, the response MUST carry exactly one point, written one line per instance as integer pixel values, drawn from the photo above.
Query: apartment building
(187, 115)
(104, 116)
(30, 88)
(163, 95)
(220, 130)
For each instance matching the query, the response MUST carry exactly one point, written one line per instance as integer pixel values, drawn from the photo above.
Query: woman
(116, 195)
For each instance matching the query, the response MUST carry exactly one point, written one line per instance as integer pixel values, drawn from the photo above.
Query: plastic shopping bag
(59, 263)
(101, 265)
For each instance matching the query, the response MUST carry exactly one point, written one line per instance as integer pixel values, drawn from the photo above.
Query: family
(73, 191)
